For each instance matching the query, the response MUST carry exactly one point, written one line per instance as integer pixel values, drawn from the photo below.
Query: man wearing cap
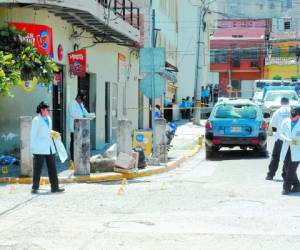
(276, 121)
(290, 153)
(76, 110)
(43, 149)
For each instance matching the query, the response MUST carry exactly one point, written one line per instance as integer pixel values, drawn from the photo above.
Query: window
(276, 51)
(287, 25)
(236, 85)
(218, 56)
(236, 112)
(292, 49)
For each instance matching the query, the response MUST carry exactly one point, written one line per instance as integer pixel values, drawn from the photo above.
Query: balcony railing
(125, 9)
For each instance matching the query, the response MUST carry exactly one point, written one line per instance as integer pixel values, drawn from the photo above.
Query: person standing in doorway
(76, 110)
(43, 149)
(276, 121)
(290, 152)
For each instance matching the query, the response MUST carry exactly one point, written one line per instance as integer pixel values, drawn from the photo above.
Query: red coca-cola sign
(77, 62)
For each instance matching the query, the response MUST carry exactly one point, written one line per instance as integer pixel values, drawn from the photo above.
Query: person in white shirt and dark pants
(276, 121)
(76, 110)
(290, 153)
(43, 149)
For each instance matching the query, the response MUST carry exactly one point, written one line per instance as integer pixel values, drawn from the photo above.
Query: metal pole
(153, 71)
(197, 86)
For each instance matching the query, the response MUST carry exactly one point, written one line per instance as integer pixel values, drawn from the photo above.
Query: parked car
(236, 122)
(272, 99)
(258, 97)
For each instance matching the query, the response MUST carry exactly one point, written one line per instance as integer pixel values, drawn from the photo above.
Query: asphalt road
(220, 204)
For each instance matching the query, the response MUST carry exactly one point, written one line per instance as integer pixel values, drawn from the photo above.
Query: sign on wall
(122, 68)
(77, 62)
(39, 35)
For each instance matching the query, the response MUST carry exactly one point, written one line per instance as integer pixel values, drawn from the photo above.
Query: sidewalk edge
(109, 176)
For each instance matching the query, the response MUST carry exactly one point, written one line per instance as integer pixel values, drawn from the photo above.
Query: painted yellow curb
(109, 176)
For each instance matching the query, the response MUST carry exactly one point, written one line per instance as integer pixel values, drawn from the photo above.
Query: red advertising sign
(77, 62)
(39, 35)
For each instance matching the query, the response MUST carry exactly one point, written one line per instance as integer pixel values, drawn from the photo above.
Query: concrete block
(82, 146)
(26, 162)
(160, 149)
(124, 138)
(101, 164)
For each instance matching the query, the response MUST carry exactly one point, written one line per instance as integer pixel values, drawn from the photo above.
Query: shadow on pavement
(236, 155)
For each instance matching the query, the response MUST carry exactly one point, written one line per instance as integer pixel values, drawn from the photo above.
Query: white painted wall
(102, 62)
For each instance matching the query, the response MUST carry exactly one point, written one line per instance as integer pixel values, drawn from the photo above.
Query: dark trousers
(273, 166)
(72, 146)
(38, 162)
(188, 114)
(290, 169)
(183, 113)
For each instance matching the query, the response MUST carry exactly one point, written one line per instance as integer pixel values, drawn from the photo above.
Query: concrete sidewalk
(184, 145)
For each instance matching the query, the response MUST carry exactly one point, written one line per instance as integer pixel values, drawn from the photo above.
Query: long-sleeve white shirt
(75, 111)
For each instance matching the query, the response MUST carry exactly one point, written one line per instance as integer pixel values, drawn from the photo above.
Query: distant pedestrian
(43, 149)
(276, 121)
(76, 110)
(157, 112)
(206, 95)
(183, 108)
(290, 152)
(202, 94)
(188, 105)
(210, 93)
(193, 104)
(215, 94)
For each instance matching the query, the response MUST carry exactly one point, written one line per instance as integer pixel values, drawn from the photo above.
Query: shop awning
(171, 67)
(91, 17)
(169, 75)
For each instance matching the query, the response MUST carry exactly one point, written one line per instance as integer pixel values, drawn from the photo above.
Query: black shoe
(57, 190)
(269, 178)
(34, 191)
(285, 192)
(296, 189)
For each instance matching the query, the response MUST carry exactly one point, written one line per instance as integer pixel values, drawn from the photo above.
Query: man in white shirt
(76, 110)
(290, 153)
(276, 121)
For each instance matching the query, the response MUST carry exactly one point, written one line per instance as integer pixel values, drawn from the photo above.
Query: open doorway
(58, 104)
(87, 85)
(111, 112)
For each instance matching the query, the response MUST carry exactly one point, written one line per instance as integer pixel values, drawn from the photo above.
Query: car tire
(210, 153)
(263, 152)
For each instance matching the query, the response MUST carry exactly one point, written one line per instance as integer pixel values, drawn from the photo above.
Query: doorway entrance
(87, 86)
(58, 104)
(111, 112)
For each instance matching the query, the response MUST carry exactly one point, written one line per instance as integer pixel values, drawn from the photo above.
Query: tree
(277, 77)
(20, 60)
(9, 74)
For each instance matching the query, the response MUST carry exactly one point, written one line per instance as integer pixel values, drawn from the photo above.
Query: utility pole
(153, 45)
(197, 87)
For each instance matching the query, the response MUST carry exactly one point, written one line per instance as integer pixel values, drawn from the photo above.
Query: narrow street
(220, 204)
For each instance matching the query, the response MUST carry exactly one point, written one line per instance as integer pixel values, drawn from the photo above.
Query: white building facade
(110, 38)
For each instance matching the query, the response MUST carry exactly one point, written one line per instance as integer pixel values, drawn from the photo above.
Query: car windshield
(276, 96)
(228, 111)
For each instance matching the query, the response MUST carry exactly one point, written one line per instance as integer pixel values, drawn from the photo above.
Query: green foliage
(277, 77)
(9, 74)
(25, 63)
(295, 78)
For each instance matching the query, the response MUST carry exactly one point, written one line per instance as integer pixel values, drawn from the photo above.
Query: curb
(109, 176)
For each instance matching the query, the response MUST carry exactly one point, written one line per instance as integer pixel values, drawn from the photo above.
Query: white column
(124, 138)
(160, 140)
(26, 156)
(82, 146)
